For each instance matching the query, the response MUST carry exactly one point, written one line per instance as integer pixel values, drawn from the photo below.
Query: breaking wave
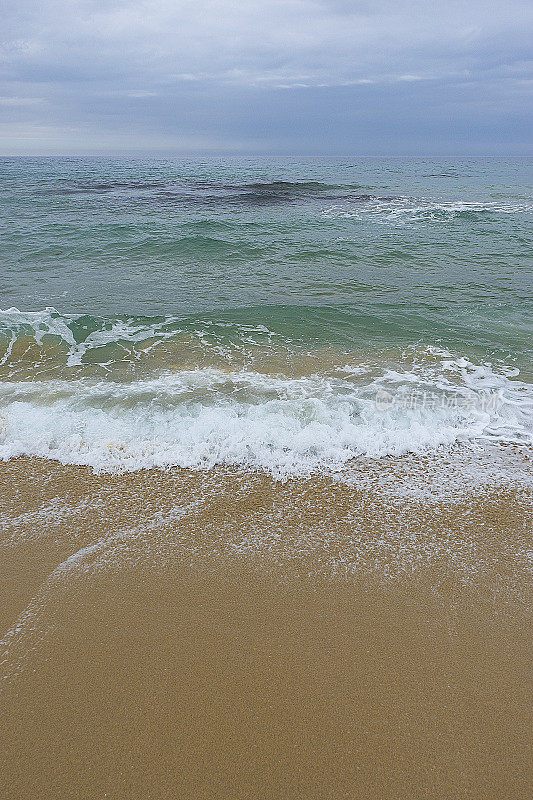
(402, 210)
(310, 411)
(199, 418)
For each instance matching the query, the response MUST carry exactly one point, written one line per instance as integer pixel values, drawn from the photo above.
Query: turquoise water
(205, 310)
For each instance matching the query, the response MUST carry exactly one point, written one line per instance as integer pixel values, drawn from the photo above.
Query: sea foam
(203, 417)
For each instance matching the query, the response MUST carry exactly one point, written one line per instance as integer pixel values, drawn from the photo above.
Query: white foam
(49, 321)
(203, 417)
(127, 333)
(404, 210)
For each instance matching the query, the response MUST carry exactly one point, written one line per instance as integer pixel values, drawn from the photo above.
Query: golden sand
(188, 634)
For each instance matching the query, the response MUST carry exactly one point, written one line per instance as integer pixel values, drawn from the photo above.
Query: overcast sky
(310, 77)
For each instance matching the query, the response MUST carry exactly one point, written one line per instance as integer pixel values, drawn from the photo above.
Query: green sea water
(198, 305)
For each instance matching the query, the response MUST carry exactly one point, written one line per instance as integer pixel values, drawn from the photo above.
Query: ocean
(289, 315)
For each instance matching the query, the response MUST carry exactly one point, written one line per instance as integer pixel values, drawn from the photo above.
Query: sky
(276, 77)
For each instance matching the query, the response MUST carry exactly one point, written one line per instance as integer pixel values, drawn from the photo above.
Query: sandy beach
(220, 634)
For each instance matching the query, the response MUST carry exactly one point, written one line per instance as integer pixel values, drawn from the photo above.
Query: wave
(202, 417)
(29, 339)
(198, 246)
(402, 210)
(293, 339)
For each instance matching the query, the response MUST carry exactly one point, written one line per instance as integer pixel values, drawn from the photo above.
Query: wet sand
(222, 635)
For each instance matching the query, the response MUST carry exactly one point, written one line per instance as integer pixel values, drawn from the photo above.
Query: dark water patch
(214, 193)
(447, 174)
(276, 192)
(293, 187)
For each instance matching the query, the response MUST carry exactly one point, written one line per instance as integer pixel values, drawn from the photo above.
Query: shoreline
(387, 520)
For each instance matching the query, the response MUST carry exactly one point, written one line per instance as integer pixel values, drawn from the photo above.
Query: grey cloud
(172, 73)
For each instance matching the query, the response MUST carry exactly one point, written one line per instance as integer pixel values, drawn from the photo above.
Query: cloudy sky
(310, 77)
